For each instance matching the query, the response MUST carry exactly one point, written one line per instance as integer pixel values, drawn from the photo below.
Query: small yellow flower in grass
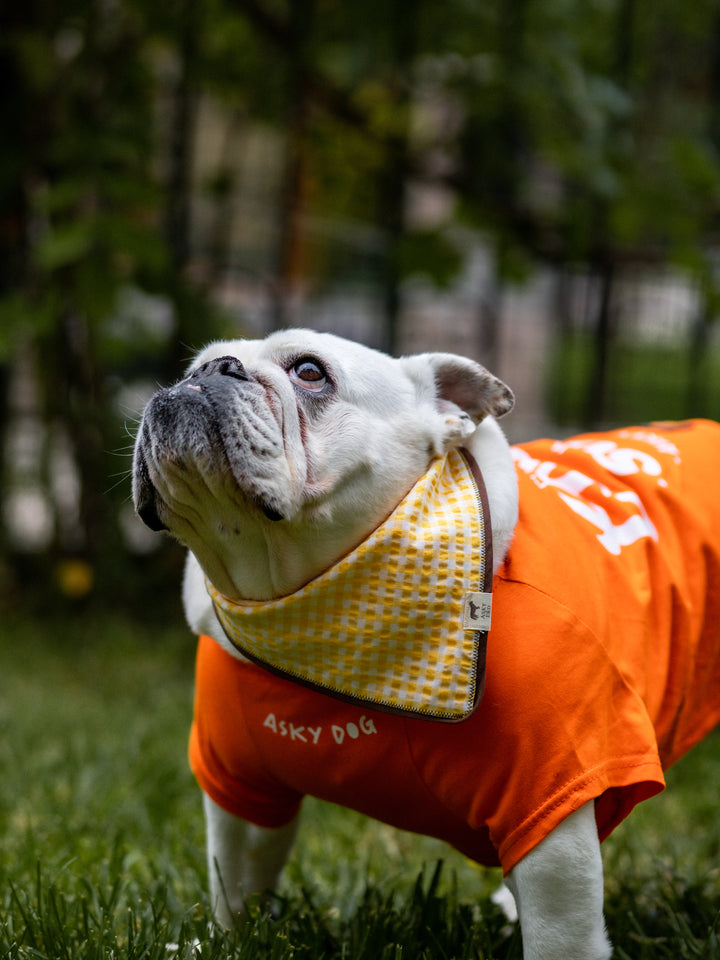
(75, 578)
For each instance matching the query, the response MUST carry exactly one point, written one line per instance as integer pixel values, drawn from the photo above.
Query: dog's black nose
(226, 366)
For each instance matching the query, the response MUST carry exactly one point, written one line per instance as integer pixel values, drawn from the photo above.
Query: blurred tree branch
(286, 34)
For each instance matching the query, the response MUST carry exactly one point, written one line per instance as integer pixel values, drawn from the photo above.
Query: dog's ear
(461, 383)
(469, 386)
(464, 392)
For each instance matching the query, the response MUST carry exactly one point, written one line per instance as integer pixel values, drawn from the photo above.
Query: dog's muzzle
(181, 430)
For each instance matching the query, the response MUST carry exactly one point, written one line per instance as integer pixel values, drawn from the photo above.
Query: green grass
(101, 850)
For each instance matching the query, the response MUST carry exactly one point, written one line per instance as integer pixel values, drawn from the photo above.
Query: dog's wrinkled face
(301, 438)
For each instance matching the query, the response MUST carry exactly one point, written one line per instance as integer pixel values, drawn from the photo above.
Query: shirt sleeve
(577, 729)
(222, 756)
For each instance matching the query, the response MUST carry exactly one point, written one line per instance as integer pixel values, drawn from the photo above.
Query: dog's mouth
(270, 512)
(146, 496)
(216, 436)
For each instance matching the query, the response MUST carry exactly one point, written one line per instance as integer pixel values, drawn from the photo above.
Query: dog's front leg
(558, 888)
(243, 859)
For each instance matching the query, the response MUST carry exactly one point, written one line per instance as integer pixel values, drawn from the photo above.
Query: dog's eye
(308, 373)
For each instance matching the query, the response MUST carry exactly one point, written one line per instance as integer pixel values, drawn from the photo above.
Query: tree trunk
(696, 394)
(596, 394)
(291, 267)
(177, 225)
(603, 265)
(393, 178)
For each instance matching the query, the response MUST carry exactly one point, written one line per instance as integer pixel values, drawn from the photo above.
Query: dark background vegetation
(176, 171)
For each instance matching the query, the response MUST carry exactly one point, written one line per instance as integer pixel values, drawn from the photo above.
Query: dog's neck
(280, 558)
(492, 454)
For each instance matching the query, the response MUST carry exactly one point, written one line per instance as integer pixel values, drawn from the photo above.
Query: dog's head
(300, 439)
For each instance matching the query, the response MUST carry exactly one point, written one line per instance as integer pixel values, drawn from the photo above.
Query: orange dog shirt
(603, 667)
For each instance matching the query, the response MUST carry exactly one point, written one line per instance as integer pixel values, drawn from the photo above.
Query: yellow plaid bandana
(399, 624)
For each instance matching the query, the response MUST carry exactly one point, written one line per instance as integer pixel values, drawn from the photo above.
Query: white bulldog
(271, 461)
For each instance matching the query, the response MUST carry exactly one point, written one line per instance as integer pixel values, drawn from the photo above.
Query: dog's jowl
(500, 647)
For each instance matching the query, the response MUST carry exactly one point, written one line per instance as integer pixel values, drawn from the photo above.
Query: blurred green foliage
(645, 382)
(572, 133)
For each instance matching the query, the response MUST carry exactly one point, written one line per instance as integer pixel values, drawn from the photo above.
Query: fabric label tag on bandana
(478, 611)
(399, 624)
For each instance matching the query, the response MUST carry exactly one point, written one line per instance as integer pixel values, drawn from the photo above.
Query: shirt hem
(573, 795)
(261, 815)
